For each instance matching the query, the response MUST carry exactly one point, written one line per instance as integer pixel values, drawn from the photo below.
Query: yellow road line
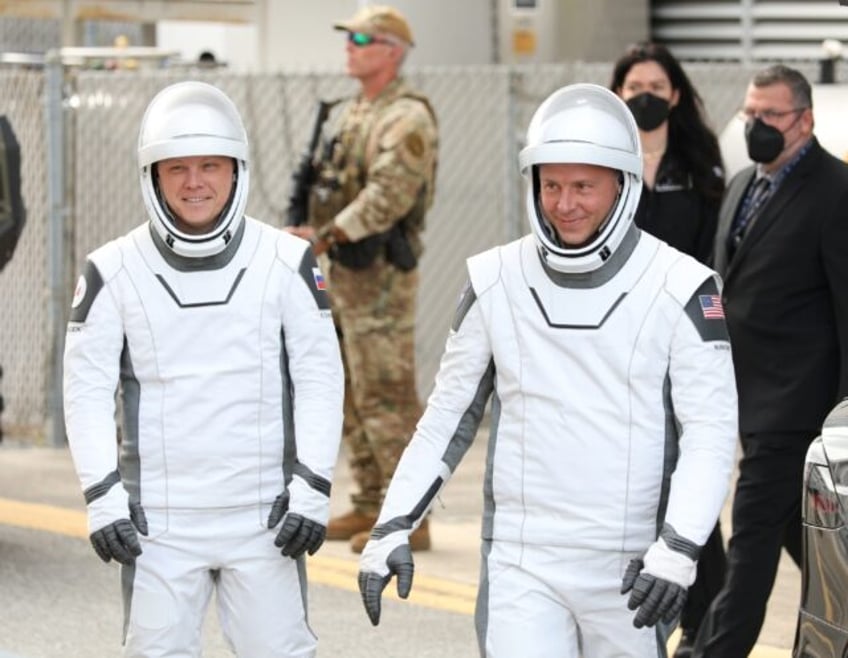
(426, 591)
(36, 516)
(341, 573)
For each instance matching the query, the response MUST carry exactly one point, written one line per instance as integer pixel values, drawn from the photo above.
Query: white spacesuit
(232, 386)
(613, 417)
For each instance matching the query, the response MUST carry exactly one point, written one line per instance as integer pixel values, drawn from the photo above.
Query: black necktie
(756, 197)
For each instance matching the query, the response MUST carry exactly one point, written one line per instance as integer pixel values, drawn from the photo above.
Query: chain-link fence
(38, 35)
(483, 113)
(25, 341)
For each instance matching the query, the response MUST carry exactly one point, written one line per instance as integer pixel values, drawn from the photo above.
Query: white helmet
(583, 124)
(188, 119)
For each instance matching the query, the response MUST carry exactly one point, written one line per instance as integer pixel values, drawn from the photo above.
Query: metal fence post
(57, 212)
(513, 182)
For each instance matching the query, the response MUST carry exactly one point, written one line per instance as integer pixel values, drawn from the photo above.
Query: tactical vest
(341, 166)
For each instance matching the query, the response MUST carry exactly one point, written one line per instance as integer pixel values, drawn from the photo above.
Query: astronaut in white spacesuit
(217, 330)
(613, 414)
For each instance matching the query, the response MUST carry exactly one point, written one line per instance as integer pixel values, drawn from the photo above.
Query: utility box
(542, 31)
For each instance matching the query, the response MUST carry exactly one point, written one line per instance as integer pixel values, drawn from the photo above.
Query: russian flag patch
(320, 283)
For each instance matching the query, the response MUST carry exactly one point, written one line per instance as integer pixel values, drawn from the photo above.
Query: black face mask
(764, 142)
(649, 111)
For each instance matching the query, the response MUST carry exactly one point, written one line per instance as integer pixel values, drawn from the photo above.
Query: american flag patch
(319, 279)
(711, 307)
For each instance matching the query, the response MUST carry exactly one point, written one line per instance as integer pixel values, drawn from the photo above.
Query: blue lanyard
(759, 191)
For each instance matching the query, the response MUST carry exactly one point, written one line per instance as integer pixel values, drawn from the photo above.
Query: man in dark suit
(782, 250)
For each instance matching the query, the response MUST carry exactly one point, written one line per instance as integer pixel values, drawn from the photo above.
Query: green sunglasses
(361, 39)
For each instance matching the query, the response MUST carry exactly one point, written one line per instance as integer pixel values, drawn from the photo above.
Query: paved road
(58, 600)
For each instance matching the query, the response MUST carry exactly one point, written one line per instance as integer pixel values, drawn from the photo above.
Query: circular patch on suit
(79, 292)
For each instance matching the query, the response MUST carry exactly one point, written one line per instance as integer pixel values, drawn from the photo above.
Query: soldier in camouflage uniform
(372, 181)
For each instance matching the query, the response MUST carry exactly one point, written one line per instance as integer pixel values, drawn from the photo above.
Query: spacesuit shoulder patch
(706, 312)
(314, 280)
(88, 286)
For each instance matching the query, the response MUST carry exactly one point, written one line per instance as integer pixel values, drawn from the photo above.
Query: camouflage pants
(374, 310)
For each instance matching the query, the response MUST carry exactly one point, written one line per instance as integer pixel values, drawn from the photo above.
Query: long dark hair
(689, 136)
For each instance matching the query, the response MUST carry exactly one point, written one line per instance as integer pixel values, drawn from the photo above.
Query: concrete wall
(300, 34)
(290, 34)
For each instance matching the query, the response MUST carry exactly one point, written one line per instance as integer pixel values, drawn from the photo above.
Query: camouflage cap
(374, 19)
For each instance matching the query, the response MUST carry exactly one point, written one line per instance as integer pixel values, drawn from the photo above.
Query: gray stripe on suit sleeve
(93, 285)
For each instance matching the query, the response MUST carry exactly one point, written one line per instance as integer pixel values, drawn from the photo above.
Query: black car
(823, 617)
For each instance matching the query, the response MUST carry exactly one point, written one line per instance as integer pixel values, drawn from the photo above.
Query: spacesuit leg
(592, 585)
(544, 601)
(261, 594)
(517, 613)
(167, 590)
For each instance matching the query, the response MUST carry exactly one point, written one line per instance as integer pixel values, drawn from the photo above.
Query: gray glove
(298, 534)
(119, 539)
(658, 583)
(381, 559)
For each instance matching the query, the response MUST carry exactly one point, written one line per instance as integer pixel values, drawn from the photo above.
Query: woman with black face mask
(682, 191)
(683, 172)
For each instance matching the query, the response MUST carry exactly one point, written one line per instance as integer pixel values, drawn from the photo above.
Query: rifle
(303, 176)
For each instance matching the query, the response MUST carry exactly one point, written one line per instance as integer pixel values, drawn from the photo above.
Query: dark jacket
(676, 213)
(786, 296)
